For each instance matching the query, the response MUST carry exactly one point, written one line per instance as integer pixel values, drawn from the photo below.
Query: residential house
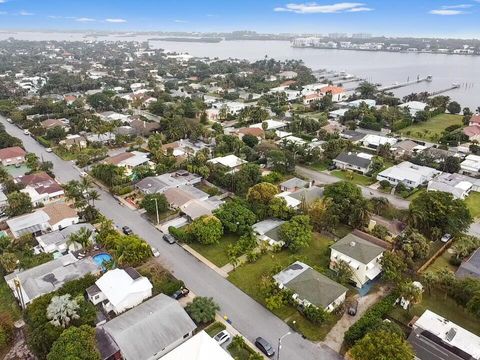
(411, 175)
(178, 196)
(362, 252)
(58, 241)
(106, 138)
(358, 162)
(271, 125)
(199, 347)
(287, 75)
(129, 160)
(184, 147)
(414, 107)
(74, 140)
(312, 97)
(253, 131)
(475, 120)
(471, 165)
(309, 287)
(149, 330)
(353, 136)
(12, 155)
(373, 141)
(269, 231)
(3, 201)
(305, 196)
(473, 132)
(406, 148)
(338, 93)
(457, 185)
(470, 267)
(144, 128)
(43, 279)
(51, 123)
(358, 103)
(232, 162)
(41, 188)
(112, 115)
(435, 338)
(293, 184)
(60, 215)
(119, 290)
(196, 208)
(161, 183)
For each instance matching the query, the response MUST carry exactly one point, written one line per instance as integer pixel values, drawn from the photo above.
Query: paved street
(249, 317)
(323, 178)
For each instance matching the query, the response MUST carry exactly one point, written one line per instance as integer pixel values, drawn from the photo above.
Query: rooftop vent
(352, 243)
(451, 334)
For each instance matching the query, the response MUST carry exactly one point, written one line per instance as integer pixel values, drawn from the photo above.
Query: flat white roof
(230, 161)
(199, 347)
(378, 140)
(408, 171)
(450, 332)
(272, 124)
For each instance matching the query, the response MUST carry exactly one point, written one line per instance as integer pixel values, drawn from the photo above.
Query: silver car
(222, 337)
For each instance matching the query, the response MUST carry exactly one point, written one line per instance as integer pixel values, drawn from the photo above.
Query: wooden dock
(407, 83)
(441, 91)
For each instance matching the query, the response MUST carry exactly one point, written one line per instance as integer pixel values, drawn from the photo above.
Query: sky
(439, 18)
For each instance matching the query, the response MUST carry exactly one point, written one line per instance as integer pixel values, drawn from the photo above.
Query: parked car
(26, 132)
(169, 238)
(264, 346)
(127, 231)
(177, 295)
(155, 252)
(446, 238)
(49, 150)
(9, 120)
(83, 174)
(222, 337)
(352, 308)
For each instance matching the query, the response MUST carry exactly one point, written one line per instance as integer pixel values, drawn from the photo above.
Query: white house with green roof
(309, 287)
(362, 252)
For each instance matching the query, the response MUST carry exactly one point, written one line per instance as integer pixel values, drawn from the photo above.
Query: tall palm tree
(93, 195)
(82, 237)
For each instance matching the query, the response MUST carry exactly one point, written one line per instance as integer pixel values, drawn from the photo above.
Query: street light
(156, 207)
(280, 343)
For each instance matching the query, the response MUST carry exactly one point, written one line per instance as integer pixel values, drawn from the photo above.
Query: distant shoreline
(185, 39)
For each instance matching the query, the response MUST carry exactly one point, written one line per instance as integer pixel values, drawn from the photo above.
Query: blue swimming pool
(102, 258)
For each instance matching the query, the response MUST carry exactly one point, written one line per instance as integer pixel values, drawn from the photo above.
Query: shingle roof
(149, 328)
(353, 159)
(294, 183)
(471, 266)
(11, 152)
(58, 212)
(357, 248)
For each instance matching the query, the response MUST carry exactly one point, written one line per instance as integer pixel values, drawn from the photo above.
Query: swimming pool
(102, 258)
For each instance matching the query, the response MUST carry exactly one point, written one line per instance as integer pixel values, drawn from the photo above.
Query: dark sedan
(264, 346)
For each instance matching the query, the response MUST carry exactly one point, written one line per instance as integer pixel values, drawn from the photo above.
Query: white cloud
(3, 1)
(117, 20)
(180, 21)
(446, 12)
(314, 8)
(459, 6)
(3, 13)
(25, 13)
(84, 19)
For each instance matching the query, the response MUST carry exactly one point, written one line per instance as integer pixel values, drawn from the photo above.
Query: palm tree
(82, 237)
(410, 292)
(62, 310)
(93, 195)
(429, 279)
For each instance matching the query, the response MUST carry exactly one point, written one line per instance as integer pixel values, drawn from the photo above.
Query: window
(186, 335)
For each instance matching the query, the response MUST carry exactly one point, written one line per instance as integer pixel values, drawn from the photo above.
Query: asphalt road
(324, 178)
(247, 316)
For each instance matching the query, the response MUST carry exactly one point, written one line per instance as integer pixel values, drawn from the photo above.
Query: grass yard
(321, 166)
(446, 307)
(214, 328)
(442, 262)
(217, 253)
(473, 204)
(433, 128)
(416, 194)
(8, 304)
(247, 277)
(353, 177)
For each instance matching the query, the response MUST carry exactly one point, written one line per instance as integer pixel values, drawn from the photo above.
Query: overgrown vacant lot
(473, 204)
(432, 128)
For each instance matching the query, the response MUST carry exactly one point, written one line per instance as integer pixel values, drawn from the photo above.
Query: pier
(407, 83)
(438, 92)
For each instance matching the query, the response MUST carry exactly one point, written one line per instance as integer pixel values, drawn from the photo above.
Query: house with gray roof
(310, 287)
(269, 230)
(362, 252)
(150, 330)
(305, 195)
(458, 185)
(293, 184)
(57, 241)
(161, 183)
(470, 267)
(358, 162)
(43, 279)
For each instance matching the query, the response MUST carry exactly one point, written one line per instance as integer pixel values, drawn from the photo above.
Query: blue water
(102, 258)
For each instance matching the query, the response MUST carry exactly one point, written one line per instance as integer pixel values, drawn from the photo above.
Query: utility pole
(280, 344)
(156, 208)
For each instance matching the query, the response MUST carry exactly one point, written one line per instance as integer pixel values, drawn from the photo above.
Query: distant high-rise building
(361, 36)
(338, 35)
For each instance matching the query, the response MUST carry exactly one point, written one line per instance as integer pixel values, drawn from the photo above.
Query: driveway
(324, 178)
(249, 317)
(334, 338)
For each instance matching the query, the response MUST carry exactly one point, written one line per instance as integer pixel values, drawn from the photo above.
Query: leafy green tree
(278, 208)
(315, 314)
(343, 272)
(32, 161)
(250, 140)
(19, 203)
(380, 231)
(75, 343)
(296, 233)
(347, 203)
(9, 261)
(465, 245)
(435, 213)
(382, 345)
(151, 201)
(410, 292)
(451, 164)
(128, 249)
(454, 107)
(367, 90)
(261, 194)
(320, 216)
(394, 266)
(202, 309)
(413, 244)
(206, 229)
(235, 217)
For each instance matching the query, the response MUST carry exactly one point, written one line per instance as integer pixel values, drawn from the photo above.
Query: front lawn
(216, 253)
(432, 129)
(353, 177)
(473, 204)
(443, 306)
(215, 328)
(8, 303)
(442, 262)
(247, 277)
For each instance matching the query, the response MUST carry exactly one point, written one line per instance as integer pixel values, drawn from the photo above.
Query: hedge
(369, 320)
